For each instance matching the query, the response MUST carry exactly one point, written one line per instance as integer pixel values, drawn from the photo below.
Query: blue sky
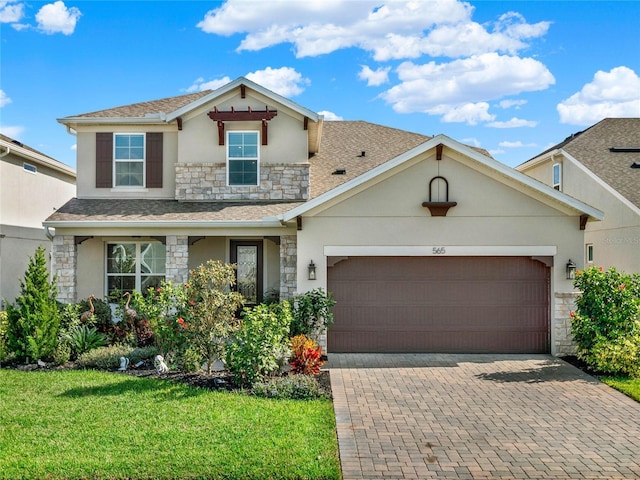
(512, 77)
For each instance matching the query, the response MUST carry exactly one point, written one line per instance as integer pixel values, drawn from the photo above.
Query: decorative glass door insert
(247, 255)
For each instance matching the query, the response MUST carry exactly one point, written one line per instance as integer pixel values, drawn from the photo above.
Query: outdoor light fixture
(312, 270)
(571, 270)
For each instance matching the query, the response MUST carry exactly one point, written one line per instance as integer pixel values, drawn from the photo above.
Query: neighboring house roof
(9, 145)
(593, 149)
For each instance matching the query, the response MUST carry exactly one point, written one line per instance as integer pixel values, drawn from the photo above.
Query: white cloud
(611, 94)
(470, 113)
(200, 85)
(284, 81)
(330, 116)
(11, 11)
(517, 144)
(12, 131)
(57, 18)
(390, 30)
(4, 99)
(374, 78)
(512, 103)
(74, 147)
(513, 123)
(431, 87)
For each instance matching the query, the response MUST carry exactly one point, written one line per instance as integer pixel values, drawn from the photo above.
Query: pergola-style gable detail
(248, 115)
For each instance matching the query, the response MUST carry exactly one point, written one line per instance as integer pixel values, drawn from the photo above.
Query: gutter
(266, 223)
(47, 232)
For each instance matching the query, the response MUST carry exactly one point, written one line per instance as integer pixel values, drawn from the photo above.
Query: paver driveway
(480, 417)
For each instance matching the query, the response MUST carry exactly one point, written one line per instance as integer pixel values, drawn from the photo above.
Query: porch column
(177, 258)
(64, 263)
(288, 266)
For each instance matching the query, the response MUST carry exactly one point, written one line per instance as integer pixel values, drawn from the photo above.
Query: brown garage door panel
(435, 304)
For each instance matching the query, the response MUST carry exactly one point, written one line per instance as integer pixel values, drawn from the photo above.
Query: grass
(99, 425)
(628, 386)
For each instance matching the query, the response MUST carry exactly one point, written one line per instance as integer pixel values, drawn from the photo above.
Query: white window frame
(143, 161)
(257, 157)
(138, 274)
(588, 253)
(557, 185)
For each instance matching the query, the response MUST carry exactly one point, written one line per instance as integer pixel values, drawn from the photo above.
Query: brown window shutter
(154, 160)
(104, 160)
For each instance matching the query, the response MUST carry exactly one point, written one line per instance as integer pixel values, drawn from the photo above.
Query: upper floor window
(242, 158)
(129, 156)
(557, 176)
(135, 266)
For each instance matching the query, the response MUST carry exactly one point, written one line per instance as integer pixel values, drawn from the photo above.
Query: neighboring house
(427, 245)
(601, 166)
(32, 186)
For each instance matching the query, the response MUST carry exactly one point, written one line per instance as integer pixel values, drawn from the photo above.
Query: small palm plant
(83, 338)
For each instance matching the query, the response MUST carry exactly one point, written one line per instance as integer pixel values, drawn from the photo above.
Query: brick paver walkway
(480, 417)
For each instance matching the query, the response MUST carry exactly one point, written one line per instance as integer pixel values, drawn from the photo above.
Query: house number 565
(439, 250)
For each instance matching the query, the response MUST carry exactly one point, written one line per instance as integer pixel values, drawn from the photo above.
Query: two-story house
(427, 245)
(32, 186)
(601, 166)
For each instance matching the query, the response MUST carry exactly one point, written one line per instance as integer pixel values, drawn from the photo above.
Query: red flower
(601, 269)
(579, 272)
(192, 303)
(623, 286)
(572, 314)
(158, 290)
(181, 322)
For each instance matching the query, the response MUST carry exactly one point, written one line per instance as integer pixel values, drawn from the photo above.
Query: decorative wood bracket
(583, 221)
(78, 239)
(248, 115)
(439, 209)
(298, 222)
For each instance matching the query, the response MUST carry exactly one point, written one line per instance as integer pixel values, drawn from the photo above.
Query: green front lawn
(628, 386)
(90, 424)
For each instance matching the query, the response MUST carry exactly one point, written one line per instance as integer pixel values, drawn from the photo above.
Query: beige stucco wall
(23, 208)
(86, 160)
(390, 214)
(287, 139)
(616, 239)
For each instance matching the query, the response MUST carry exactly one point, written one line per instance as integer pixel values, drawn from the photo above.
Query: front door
(247, 255)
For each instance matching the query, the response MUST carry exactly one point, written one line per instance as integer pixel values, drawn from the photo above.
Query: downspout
(48, 233)
(50, 236)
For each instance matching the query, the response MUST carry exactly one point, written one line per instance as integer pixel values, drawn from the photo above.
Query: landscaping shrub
(33, 324)
(108, 358)
(294, 387)
(211, 309)
(4, 325)
(83, 338)
(259, 347)
(306, 356)
(312, 312)
(606, 325)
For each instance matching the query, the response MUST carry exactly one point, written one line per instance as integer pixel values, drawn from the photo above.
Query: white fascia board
(601, 182)
(267, 223)
(440, 250)
(253, 86)
(37, 158)
(463, 149)
(538, 160)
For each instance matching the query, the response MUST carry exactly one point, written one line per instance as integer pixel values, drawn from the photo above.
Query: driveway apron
(480, 417)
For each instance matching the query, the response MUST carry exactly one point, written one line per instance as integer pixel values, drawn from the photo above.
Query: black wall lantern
(571, 270)
(312, 270)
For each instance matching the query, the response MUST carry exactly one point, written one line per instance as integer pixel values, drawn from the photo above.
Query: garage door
(439, 304)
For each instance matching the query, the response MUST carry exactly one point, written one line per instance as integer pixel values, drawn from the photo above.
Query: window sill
(129, 189)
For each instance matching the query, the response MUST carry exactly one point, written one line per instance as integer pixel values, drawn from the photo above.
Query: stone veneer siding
(64, 262)
(288, 266)
(177, 248)
(565, 303)
(208, 182)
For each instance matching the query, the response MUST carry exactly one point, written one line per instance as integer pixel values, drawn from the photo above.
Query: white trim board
(439, 250)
